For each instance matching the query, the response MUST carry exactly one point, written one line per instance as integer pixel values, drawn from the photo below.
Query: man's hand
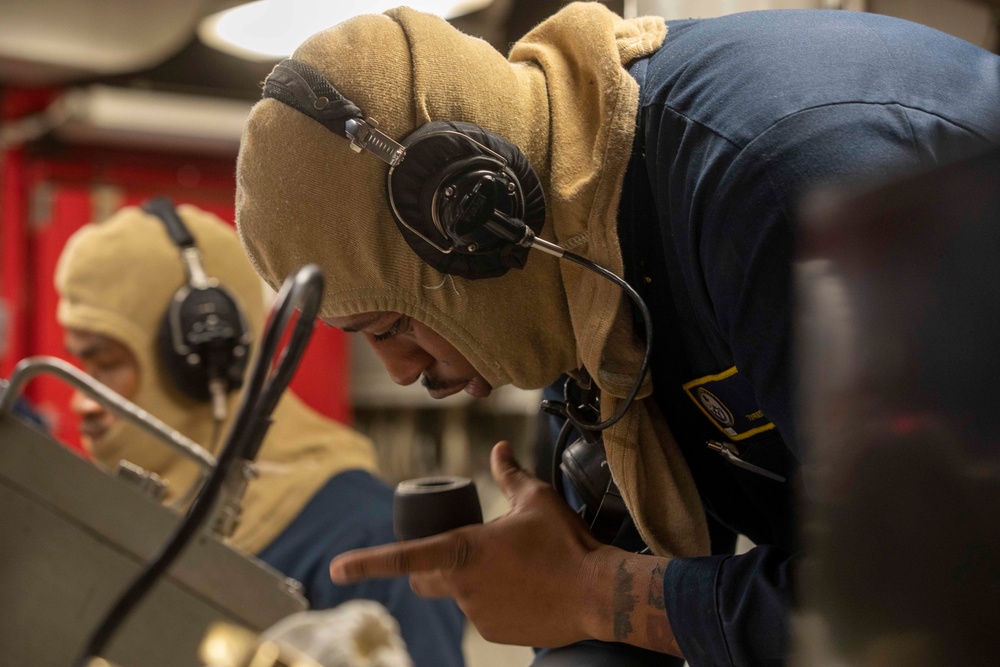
(534, 577)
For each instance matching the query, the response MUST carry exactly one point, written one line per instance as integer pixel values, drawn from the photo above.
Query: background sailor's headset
(204, 340)
(469, 204)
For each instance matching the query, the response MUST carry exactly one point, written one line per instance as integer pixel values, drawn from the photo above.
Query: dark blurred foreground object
(899, 343)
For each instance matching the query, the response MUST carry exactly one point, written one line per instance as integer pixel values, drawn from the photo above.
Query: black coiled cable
(302, 290)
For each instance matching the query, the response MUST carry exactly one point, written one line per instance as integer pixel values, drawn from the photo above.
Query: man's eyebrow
(360, 324)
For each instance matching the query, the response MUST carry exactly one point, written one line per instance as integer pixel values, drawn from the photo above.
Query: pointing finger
(451, 550)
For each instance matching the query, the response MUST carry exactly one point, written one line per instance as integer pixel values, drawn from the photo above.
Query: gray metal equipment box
(73, 537)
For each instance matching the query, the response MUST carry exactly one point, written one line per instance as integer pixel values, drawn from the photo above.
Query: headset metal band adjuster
(364, 135)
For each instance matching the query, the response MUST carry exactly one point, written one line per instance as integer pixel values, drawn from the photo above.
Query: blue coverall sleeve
(729, 610)
(353, 511)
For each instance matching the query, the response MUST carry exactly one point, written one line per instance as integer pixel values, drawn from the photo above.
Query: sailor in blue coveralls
(740, 115)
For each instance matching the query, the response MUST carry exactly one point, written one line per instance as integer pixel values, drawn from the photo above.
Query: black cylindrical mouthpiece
(431, 505)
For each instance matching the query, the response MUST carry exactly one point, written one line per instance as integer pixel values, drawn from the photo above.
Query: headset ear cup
(201, 330)
(190, 379)
(437, 154)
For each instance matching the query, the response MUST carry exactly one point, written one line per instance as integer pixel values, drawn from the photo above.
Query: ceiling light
(272, 29)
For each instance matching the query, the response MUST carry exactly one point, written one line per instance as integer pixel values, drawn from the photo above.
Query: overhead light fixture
(105, 115)
(272, 29)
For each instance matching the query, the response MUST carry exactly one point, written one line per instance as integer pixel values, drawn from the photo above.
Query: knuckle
(397, 561)
(463, 551)
(517, 475)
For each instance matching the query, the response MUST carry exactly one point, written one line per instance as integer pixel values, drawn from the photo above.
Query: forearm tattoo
(655, 595)
(624, 602)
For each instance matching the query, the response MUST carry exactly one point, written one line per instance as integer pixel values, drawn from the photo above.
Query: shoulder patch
(727, 400)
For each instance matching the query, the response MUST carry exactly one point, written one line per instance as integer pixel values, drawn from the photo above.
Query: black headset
(468, 202)
(465, 199)
(203, 339)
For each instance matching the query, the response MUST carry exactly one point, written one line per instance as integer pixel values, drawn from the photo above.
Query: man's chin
(477, 387)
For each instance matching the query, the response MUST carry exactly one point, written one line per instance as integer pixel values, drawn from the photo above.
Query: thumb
(507, 472)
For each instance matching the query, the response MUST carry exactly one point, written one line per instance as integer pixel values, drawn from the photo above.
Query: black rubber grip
(431, 505)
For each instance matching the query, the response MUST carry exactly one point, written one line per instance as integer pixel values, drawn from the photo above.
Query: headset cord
(217, 389)
(561, 442)
(647, 320)
(304, 290)
(571, 412)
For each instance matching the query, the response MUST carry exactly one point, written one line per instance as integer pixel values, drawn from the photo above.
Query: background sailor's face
(109, 362)
(410, 350)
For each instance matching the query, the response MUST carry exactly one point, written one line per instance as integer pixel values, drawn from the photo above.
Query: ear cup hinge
(365, 136)
(191, 258)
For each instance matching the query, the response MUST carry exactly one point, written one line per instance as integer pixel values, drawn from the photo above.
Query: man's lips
(476, 387)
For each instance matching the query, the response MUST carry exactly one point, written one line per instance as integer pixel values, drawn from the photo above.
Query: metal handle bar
(27, 369)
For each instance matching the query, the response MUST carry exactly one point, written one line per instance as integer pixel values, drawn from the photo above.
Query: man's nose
(403, 363)
(85, 407)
